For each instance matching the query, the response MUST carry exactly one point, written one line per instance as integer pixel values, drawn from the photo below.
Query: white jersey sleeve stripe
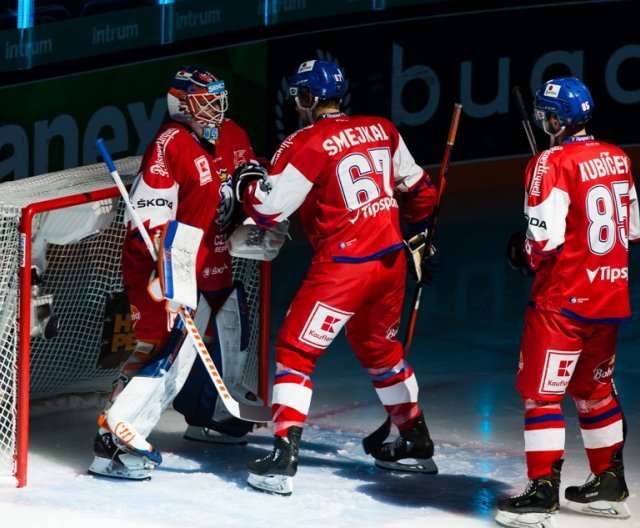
(547, 220)
(407, 172)
(283, 197)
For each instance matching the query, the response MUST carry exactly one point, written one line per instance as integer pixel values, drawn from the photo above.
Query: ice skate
(604, 495)
(211, 436)
(412, 451)
(113, 459)
(274, 473)
(536, 507)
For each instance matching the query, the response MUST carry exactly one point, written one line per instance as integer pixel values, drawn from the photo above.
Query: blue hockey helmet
(567, 98)
(323, 79)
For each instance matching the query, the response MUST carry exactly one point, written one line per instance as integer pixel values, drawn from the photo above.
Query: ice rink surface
(465, 354)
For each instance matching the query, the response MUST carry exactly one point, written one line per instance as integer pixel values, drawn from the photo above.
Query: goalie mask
(315, 81)
(198, 96)
(565, 97)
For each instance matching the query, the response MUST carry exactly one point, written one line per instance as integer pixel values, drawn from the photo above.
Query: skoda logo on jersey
(287, 120)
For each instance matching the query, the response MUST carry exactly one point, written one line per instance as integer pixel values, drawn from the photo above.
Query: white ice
(465, 355)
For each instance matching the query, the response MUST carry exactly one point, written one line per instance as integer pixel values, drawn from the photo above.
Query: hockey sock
(397, 389)
(601, 428)
(291, 399)
(544, 434)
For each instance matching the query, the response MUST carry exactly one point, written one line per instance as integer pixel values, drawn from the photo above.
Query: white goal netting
(75, 318)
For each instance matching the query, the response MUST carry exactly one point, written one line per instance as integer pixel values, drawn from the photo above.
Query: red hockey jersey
(581, 209)
(185, 179)
(342, 173)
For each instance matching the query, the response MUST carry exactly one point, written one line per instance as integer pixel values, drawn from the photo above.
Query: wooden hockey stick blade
(249, 413)
(375, 439)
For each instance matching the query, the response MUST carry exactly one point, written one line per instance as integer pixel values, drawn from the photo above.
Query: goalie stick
(369, 443)
(250, 413)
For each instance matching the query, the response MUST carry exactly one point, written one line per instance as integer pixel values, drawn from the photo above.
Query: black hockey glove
(422, 268)
(244, 174)
(516, 256)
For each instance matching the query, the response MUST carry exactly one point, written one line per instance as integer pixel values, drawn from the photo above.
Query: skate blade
(610, 509)
(104, 467)
(526, 520)
(202, 434)
(274, 484)
(412, 465)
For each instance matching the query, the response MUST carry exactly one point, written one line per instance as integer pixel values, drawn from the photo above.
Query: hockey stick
(524, 117)
(381, 433)
(249, 413)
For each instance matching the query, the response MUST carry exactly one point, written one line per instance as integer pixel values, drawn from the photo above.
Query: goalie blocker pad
(179, 245)
(199, 401)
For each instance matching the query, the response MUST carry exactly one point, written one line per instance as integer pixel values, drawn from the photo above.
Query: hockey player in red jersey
(581, 210)
(341, 173)
(185, 175)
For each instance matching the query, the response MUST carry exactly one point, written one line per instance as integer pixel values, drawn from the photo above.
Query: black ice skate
(113, 459)
(411, 451)
(537, 506)
(211, 436)
(274, 473)
(604, 495)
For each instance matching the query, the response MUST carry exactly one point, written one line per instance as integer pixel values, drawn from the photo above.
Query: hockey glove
(516, 255)
(244, 174)
(422, 268)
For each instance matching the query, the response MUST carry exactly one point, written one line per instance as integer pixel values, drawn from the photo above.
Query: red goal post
(66, 328)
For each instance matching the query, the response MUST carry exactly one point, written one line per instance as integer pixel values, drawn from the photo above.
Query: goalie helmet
(565, 97)
(322, 78)
(197, 95)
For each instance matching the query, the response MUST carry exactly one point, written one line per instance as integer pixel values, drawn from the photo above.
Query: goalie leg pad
(148, 394)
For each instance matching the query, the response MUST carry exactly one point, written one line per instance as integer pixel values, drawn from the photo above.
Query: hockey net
(65, 327)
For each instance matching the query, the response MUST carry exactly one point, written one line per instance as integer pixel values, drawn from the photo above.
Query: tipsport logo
(607, 274)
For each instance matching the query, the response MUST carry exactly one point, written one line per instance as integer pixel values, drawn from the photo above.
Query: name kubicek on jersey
(603, 166)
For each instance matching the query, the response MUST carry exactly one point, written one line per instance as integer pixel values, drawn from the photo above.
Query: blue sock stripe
(390, 373)
(556, 417)
(594, 419)
(291, 372)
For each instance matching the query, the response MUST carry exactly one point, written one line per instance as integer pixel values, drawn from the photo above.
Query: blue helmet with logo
(566, 97)
(323, 79)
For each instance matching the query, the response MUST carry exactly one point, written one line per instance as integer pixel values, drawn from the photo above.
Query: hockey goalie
(181, 205)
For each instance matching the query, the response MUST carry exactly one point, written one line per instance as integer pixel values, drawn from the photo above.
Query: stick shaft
(524, 118)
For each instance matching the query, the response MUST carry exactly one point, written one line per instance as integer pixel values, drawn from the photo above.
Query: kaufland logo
(557, 371)
(607, 273)
(323, 324)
